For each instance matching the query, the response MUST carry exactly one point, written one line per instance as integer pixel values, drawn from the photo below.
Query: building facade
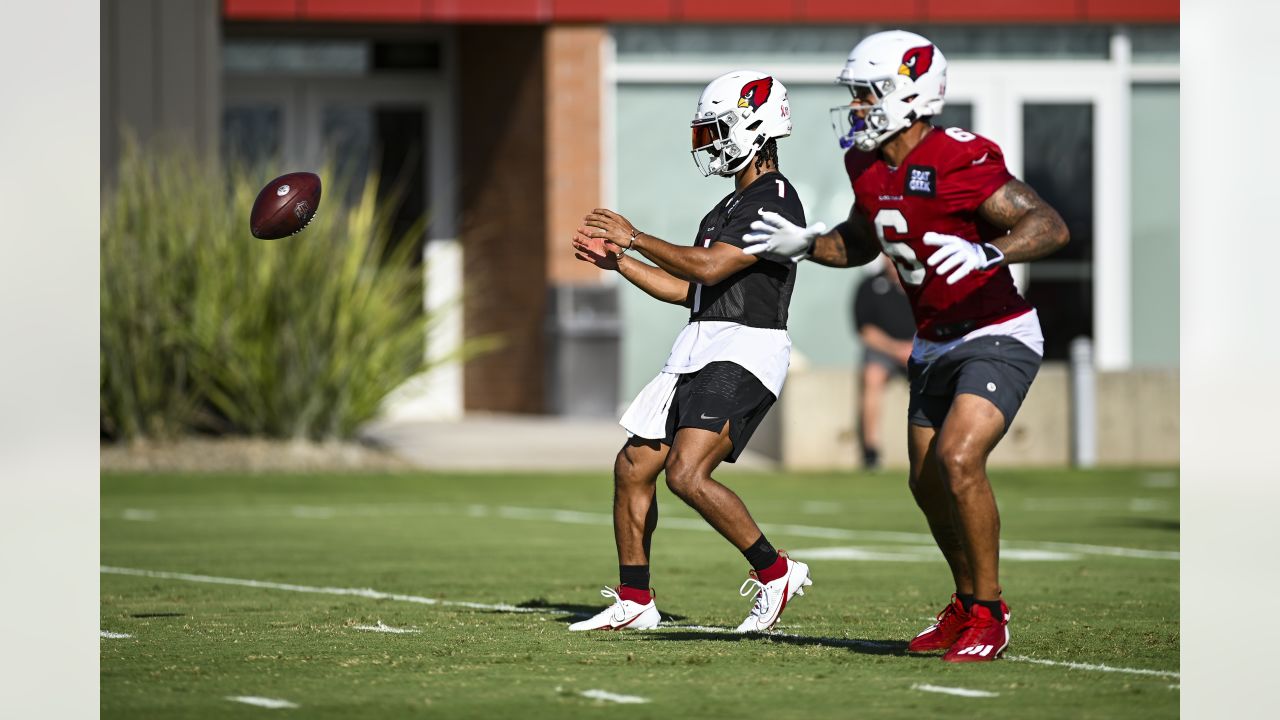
(507, 120)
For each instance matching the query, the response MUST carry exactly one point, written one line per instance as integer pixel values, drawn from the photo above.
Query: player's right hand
(594, 250)
(777, 235)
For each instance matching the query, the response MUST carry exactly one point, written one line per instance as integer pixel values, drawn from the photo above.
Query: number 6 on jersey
(909, 267)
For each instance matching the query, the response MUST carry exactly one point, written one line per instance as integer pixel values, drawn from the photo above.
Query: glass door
(1063, 128)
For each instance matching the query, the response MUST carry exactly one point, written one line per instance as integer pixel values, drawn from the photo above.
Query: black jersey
(757, 296)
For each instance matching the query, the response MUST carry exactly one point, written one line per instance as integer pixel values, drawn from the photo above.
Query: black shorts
(996, 367)
(719, 392)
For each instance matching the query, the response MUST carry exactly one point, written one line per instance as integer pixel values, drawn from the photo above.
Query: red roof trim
(677, 11)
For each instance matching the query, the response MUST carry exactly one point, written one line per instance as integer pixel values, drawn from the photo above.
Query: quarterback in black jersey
(727, 366)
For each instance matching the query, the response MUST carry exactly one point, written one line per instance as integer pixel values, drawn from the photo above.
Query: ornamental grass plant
(205, 329)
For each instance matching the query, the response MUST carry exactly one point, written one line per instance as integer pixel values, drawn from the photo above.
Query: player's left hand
(610, 227)
(957, 257)
(779, 236)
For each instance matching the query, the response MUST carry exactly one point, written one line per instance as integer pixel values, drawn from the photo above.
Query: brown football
(285, 205)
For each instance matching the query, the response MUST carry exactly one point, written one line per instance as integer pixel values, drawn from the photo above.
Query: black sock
(761, 554)
(993, 606)
(871, 458)
(634, 576)
(967, 600)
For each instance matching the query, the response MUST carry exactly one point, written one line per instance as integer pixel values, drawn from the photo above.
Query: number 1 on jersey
(909, 267)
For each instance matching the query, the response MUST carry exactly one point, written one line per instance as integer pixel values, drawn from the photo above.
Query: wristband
(992, 254)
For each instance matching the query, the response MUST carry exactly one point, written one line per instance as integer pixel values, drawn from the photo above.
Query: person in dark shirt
(882, 318)
(726, 367)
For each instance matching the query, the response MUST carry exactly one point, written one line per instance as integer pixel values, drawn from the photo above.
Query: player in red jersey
(942, 204)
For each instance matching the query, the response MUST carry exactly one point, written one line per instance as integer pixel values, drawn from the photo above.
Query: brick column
(501, 163)
(573, 171)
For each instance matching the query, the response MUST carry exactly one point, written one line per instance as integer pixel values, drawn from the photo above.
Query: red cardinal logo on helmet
(916, 61)
(755, 93)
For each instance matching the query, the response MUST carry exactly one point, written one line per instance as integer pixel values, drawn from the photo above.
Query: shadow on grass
(1144, 523)
(858, 645)
(574, 611)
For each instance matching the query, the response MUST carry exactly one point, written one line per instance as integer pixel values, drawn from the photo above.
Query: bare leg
(635, 504)
(694, 454)
(874, 379)
(973, 427)
(933, 498)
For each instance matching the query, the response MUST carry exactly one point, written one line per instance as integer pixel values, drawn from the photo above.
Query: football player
(941, 204)
(727, 365)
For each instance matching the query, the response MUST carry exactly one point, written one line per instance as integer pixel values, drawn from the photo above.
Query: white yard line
(1096, 504)
(576, 517)
(266, 702)
(612, 697)
(113, 635)
(585, 518)
(138, 515)
(378, 595)
(1092, 666)
(380, 627)
(357, 592)
(308, 512)
(961, 692)
(917, 553)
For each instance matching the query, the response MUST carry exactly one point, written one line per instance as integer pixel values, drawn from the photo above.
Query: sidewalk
(514, 442)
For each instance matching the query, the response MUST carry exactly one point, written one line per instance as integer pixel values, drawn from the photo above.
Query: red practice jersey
(938, 188)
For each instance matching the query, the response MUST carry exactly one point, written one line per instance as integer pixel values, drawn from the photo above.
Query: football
(285, 206)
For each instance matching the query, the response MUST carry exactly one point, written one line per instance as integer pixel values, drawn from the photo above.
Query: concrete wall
(161, 74)
(1137, 421)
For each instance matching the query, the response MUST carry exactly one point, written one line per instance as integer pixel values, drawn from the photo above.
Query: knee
(962, 466)
(626, 472)
(682, 478)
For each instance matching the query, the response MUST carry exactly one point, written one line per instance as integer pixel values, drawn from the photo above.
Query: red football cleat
(942, 634)
(984, 637)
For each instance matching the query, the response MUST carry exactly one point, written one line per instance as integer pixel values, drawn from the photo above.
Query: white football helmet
(737, 114)
(895, 76)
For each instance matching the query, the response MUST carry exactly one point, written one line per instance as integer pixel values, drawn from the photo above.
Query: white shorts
(646, 417)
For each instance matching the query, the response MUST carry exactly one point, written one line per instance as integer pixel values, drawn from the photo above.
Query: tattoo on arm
(1035, 228)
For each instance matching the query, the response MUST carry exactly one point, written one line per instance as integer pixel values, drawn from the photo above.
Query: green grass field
(1090, 571)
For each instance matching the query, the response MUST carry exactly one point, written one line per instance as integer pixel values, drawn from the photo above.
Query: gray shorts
(996, 367)
(871, 356)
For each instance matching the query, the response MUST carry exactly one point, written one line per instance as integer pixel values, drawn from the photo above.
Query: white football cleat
(622, 615)
(771, 598)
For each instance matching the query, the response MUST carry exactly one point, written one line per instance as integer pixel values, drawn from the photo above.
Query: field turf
(1090, 572)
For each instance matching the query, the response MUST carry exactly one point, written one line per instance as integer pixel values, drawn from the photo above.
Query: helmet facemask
(719, 145)
(887, 107)
(896, 78)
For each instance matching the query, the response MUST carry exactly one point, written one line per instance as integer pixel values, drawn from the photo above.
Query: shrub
(205, 328)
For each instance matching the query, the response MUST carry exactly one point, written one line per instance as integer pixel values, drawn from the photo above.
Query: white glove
(779, 236)
(959, 257)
